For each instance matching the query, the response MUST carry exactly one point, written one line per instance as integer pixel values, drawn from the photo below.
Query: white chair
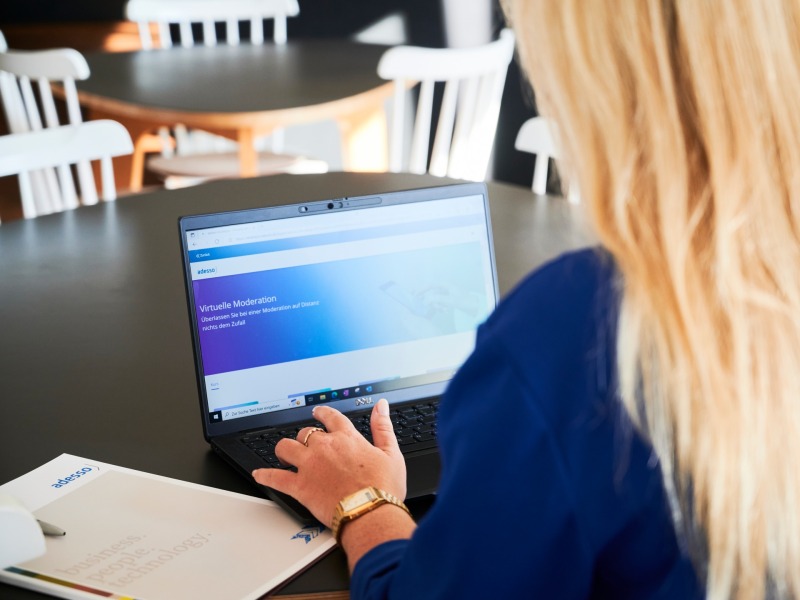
(207, 13)
(473, 87)
(3, 48)
(25, 78)
(24, 68)
(198, 155)
(537, 136)
(58, 147)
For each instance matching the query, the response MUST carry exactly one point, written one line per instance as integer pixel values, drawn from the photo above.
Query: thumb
(382, 428)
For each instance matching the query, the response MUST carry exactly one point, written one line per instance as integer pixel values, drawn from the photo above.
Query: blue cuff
(373, 572)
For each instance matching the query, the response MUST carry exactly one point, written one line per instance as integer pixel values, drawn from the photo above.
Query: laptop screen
(341, 302)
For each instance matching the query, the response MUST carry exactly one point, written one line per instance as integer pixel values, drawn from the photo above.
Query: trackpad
(423, 473)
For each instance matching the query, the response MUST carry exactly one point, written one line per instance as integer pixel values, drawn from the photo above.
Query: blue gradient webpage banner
(281, 315)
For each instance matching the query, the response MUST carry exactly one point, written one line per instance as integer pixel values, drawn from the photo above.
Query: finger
(289, 451)
(277, 479)
(332, 419)
(382, 429)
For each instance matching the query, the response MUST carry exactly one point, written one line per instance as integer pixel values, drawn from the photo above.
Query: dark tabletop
(266, 77)
(95, 347)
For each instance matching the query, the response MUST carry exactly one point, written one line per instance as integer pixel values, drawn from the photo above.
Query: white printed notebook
(134, 535)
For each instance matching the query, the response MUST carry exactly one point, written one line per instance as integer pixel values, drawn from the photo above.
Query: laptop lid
(341, 301)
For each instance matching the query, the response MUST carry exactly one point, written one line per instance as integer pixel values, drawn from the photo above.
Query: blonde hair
(680, 121)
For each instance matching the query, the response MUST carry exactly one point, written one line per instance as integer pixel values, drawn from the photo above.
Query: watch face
(358, 499)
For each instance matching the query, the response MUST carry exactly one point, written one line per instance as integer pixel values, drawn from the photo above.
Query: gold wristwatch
(358, 504)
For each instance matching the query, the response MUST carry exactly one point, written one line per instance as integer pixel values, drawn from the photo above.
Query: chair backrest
(538, 136)
(25, 87)
(207, 13)
(23, 69)
(56, 148)
(473, 87)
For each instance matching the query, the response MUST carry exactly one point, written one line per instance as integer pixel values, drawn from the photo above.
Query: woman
(656, 381)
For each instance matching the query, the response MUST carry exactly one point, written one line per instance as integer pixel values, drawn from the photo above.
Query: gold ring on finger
(310, 433)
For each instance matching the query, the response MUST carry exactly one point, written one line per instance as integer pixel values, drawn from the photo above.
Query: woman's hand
(338, 462)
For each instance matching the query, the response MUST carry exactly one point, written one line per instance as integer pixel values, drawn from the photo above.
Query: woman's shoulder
(556, 332)
(560, 304)
(578, 272)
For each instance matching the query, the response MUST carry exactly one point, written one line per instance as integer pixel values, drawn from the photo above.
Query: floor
(10, 208)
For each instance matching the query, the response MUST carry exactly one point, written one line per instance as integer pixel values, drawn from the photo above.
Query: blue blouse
(546, 490)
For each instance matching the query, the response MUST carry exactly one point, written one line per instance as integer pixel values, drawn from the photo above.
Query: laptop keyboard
(414, 426)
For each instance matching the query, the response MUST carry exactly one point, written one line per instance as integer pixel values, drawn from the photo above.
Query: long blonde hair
(680, 121)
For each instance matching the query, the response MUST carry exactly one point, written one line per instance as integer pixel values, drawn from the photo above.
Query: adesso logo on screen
(206, 271)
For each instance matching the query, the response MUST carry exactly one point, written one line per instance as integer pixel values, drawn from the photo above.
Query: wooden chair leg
(137, 163)
(145, 143)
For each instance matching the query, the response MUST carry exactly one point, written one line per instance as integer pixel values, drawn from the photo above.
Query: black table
(246, 91)
(96, 354)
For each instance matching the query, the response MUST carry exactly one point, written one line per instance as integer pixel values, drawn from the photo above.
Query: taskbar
(378, 387)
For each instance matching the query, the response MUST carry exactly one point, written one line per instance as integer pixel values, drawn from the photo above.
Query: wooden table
(96, 352)
(246, 91)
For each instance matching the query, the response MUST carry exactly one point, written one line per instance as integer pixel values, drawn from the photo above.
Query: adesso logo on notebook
(66, 480)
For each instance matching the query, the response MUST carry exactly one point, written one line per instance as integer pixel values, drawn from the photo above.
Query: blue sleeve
(481, 537)
(534, 500)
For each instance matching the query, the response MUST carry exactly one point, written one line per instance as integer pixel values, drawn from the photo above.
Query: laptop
(339, 302)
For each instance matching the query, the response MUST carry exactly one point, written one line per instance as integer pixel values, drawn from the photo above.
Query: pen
(49, 529)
